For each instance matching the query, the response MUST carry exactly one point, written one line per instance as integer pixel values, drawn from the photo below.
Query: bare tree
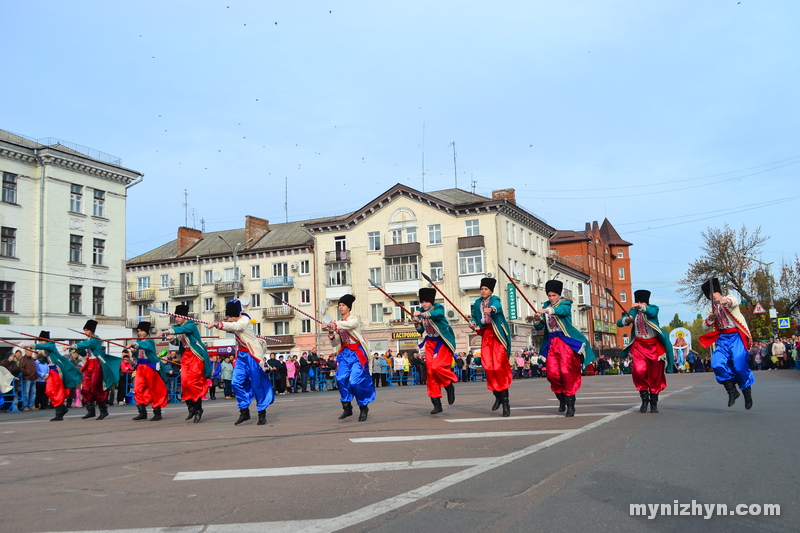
(727, 255)
(789, 281)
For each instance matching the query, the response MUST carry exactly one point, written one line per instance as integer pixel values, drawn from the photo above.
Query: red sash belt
(711, 337)
(362, 358)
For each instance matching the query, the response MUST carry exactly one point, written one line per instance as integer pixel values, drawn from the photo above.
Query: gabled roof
(611, 236)
(564, 236)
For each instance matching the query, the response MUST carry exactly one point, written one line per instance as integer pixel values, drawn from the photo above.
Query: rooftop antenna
(193, 215)
(423, 156)
(286, 199)
(473, 183)
(455, 170)
(185, 208)
(202, 225)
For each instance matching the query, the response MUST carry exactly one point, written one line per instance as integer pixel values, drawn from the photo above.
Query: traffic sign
(759, 310)
(784, 323)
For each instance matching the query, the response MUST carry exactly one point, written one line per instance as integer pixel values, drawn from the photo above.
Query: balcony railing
(337, 256)
(184, 290)
(190, 315)
(276, 282)
(227, 287)
(279, 311)
(133, 322)
(280, 341)
(141, 295)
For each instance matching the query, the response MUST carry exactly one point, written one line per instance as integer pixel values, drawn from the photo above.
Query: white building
(62, 214)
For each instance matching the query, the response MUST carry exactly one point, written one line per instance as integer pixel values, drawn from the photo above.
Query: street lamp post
(234, 250)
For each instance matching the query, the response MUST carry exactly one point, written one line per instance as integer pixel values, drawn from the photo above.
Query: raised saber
(315, 319)
(20, 346)
(157, 310)
(519, 291)
(619, 304)
(98, 338)
(429, 280)
(398, 304)
(39, 338)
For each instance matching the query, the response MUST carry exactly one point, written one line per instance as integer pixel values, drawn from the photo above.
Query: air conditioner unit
(387, 310)
(451, 314)
(512, 328)
(294, 266)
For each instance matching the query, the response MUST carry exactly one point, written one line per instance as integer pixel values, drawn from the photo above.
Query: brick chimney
(255, 227)
(505, 194)
(187, 238)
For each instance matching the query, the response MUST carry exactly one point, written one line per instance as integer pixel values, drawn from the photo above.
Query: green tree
(676, 322)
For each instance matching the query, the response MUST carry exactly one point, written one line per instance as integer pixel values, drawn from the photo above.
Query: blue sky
(665, 117)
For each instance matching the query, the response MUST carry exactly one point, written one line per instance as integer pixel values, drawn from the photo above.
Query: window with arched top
(623, 296)
(620, 254)
(403, 226)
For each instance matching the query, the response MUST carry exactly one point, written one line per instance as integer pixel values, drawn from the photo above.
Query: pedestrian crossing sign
(784, 323)
(759, 310)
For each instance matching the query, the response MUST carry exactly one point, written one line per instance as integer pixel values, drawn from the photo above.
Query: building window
(98, 299)
(98, 251)
(412, 306)
(305, 267)
(164, 307)
(189, 304)
(9, 188)
(470, 261)
(143, 283)
(255, 271)
(186, 279)
(164, 281)
(257, 328)
(281, 327)
(278, 297)
(621, 272)
(255, 301)
(473, 227)
(75, 299)
(620, 254)
(6, 296)
(623, 296)
(9, 242)
(435, 234)
(411, 234)
(228, 274)
(99, 203)
(397, 236)
(208, 305)
(402, 268)
(373, 241)
(75, 249)
(337, 274)
(508, 231)
(305, 296)
(376, 313)
(280, 269)
(437, 271)
(375, 275)
(208, 277)
(76, 198)
(305, 326)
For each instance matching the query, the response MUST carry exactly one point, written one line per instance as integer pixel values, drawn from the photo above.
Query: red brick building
(600, 252)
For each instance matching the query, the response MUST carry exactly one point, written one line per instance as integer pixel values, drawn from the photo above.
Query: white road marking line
(326, 469)
(461, 436)
(579, 404)
(377, 509)
(527, 417)
(620, 397)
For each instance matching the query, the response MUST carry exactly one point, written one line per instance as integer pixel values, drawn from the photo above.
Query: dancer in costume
(100, 372)
(650, 350)
(62, 377)
(439, 343)
(733, 339)
(490, 323)
(352, 372)
(195, 364)
(564, 347)
(250, 375)
(150, 385)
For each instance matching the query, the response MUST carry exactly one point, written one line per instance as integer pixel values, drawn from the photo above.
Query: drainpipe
(40, 311)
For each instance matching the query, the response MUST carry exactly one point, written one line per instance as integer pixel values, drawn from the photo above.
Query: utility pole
(234, 250)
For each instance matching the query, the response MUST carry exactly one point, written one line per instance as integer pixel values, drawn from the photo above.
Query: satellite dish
(327, 319)
(245, 301)
(322, 307)
(490, 274)
(217, 277)
(518, 271)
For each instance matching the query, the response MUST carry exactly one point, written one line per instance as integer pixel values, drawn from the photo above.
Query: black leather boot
(653, 402)
(451, 394)
(198, 411)
(570, 406)
(562, 402)
(497, 400)
(730, 386)
(748, 397)
(504, 402)
(244, 415)
(156, 414)
(348, 410)
(142, 412)
(190, 405)
(364, 411)
(103, 411)
(645, 400)
(61, 410)
(437, 405)
(90, 412)
(262, 417)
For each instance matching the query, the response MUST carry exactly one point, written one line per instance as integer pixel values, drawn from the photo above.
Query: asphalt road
(466, 469)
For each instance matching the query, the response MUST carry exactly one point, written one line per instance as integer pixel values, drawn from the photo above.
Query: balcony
(183, 291)
(190, 315)
(228, 287)
(220, 316)
(475, 241)
(131, 323)
(277, 282)
(143, 295)
(279, 311)
(337, 256)
(279, 341)
(399, 250)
